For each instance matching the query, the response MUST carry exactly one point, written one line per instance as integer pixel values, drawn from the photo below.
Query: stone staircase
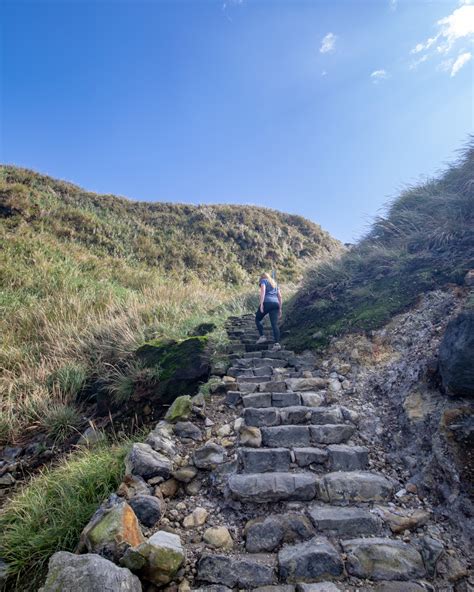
(304, 483)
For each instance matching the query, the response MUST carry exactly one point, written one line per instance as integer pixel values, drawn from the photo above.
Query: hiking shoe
(261, 339)
(276, 347)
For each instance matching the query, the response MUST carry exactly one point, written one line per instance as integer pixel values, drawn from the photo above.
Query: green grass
(61, 420)
(425, 241)
(51, 511)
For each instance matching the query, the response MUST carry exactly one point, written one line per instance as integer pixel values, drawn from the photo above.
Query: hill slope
(86, 278)
(425, 241)
(212, 242)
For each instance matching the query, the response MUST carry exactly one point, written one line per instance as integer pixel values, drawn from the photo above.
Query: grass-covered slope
(228, 243)
(86, 278)
(425, 240)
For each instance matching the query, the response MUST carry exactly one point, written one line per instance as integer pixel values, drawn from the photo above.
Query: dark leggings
(271, 309)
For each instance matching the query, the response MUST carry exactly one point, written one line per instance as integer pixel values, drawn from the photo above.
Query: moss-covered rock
(183, 365)
(180, 409)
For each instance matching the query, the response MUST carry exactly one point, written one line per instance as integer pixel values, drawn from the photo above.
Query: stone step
(237, 571)
(350, 521)
(254, 379)
(284, 399)
(382, 559)
(353, 487)
(264, 460)
(347, 458)
(295, 415)
(289, 436)
(309, 561)
(273, 487)
(279, 362)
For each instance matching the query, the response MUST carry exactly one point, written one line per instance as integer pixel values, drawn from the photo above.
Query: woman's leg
(258, 321)
(273, 314)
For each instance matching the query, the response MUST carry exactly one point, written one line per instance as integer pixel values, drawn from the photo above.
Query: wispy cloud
(328, 43)
(452, 31)
(379, 75)
(460, 61)
(393, 4)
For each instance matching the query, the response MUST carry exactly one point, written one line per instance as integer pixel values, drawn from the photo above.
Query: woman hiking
(271, 305)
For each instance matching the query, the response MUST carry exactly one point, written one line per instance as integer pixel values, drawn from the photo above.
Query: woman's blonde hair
(268, 277)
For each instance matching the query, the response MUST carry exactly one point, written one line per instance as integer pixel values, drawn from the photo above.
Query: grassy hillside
(425, 240)
(86, 278)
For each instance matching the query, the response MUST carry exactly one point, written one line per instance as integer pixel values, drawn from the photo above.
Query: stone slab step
(350, 521)
(383, 559)
(289, 436)
(284, 399)
(309, 561)
(263, 460)
(272, 487)
(267, 533)
(294, 415)
(348, 458)
(237, 571)
(353, 487)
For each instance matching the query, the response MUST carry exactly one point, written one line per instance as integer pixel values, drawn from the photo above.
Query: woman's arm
(262, 296)
(280, 302)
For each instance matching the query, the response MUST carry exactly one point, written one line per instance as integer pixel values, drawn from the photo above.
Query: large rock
(383, 559)
(142, 460)
(147, 508)
(356, 486)
(456, 354)
(158, 559)
(309, 560)
(92, 573)
(272, 487)
(345, 521)
(186, 429)
(111, 529)
(209, 455)
(237, 571)
(180, 409)
(183, 365)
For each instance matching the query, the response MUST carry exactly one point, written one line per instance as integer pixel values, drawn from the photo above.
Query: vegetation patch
(425, 241)
(51, 511)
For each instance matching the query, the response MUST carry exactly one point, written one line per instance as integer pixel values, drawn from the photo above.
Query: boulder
(77, 573)
(309, 560)
(158, 559)
(456, 354)
(383, 559)
(159, 439)
(186, 429)
(133, 485)
(209, 455)
(142, 460)
(148, 509)
(111, 529)
(180, 409)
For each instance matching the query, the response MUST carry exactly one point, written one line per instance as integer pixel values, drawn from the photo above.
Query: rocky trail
(272, 483)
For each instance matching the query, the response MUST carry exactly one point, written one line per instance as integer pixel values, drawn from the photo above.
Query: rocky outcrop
(456, 354)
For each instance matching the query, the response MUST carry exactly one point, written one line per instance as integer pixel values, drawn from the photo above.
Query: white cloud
(451, 30)
(324, 73)
(378, 75)
(328, 43)
(461, 60)
(393, 4)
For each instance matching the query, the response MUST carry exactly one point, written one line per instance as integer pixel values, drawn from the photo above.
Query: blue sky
(321, 108)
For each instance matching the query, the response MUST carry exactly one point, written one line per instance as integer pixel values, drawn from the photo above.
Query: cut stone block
(286, 436)
(265, 459)
(261, 417)
(345, 521)
(308, 456)
(311, 399)
(258, 400)
(272, 387)
(308, 561)
(383, 559)
(348, 458)
(272, 487)
(286, 399)
(331, 433)
(237, 571)
(356, 486)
